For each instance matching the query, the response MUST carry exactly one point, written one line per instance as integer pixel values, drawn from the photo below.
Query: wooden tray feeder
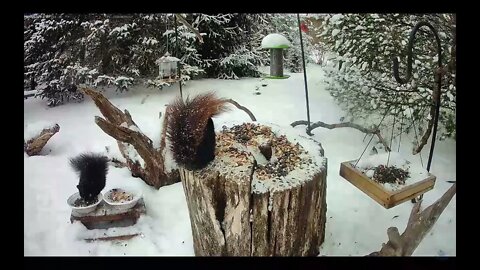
(379, 193)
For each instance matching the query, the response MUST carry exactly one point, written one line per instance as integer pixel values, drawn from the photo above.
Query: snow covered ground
(356, 225)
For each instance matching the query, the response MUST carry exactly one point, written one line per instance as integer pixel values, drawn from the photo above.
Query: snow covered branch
(189, 26)
(419, 224)
(342, 125)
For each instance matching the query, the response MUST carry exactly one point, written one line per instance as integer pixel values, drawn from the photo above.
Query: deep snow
(356, 225)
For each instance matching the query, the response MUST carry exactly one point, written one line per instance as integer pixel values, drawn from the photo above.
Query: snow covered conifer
(360, 75)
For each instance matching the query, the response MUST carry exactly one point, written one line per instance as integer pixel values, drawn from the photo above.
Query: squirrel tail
(190, 129)
(93, 169)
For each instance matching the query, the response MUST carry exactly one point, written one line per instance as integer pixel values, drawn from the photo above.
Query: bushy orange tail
(190, 129)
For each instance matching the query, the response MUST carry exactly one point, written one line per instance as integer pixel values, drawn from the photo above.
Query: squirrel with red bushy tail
(190, 129)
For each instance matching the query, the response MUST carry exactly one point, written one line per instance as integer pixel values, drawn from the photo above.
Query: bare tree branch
(231, 101)
(342, 125)
(419, 224)
(189, 26)
(153, 171)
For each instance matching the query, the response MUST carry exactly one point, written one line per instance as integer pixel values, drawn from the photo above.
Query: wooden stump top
(293, 159)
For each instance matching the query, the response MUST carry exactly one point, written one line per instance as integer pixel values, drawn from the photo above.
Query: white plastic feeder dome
(276, 43)
(167, 66)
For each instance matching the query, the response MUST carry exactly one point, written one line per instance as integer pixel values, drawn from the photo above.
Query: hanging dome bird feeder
(276, 43)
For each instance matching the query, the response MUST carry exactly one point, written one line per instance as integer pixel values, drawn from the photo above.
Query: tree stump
(246, 204)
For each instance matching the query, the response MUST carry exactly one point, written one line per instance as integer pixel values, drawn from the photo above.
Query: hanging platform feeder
(414, 191)
(388, 198)
(276, 43)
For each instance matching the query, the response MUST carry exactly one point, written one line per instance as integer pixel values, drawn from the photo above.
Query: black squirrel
(93, 169)
(190, 129)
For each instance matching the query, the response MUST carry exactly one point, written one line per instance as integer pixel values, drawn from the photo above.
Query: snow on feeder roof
(275, 41)
(167, 66)
(166, 58)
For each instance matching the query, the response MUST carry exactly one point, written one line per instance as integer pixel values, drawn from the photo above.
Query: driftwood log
(34, 145)
(419, 224)
(149, 164)
(246, 204)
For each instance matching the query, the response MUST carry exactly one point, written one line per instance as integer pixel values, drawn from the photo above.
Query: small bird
(374, 151)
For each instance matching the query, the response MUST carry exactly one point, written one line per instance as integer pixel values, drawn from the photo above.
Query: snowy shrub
(57, 94)
(157, 83)
(190, 60)
(287, 25)
(123, 83)
(65, 50)
(242, 62)
(104, 80)
(190, 72)
(360, 76)
(230, 48)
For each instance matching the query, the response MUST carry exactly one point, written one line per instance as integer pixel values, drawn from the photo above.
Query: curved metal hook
(411, 41)
(437, 74)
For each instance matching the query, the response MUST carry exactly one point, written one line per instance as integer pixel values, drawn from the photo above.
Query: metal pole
(304, 74)
(176, 55)
(438, 78)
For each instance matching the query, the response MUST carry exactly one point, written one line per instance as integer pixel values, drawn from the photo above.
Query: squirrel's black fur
(206, 148)
(93, 169)
(191, 131)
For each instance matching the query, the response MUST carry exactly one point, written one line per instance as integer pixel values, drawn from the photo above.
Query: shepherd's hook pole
(304, 75)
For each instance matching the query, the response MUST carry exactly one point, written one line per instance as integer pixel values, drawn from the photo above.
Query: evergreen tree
(64, 51)
(287, 25)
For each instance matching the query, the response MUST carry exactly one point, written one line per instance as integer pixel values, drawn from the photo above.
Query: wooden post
(276, 62)
(237, 209)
